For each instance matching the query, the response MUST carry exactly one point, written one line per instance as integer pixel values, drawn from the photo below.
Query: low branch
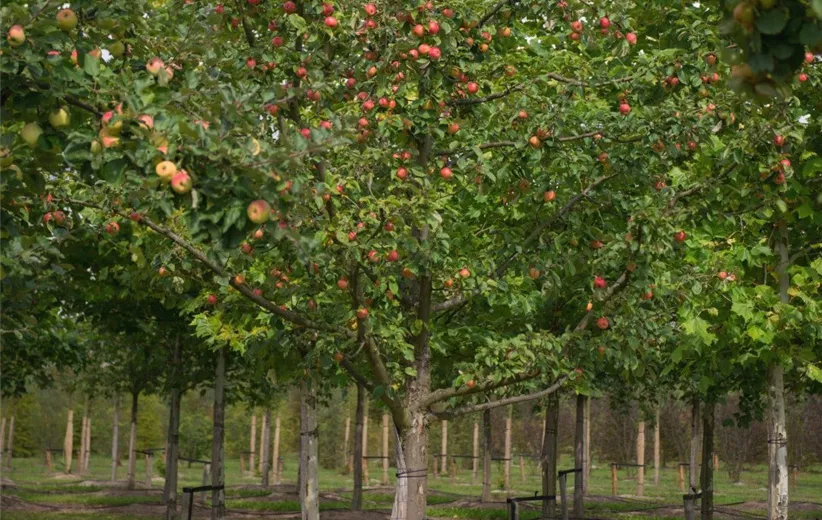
(512, 144)
(463, 410)
(494, 10)
(243, 289)
(447, 393)
(696, 189)
(355, 374)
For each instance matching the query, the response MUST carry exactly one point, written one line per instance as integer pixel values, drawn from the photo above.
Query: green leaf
(812, 167)
(772, 21)
(815, 373)
(91, 65)
(411, 371)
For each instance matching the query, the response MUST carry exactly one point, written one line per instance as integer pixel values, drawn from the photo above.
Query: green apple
(96, 147)
(117, 49)
(5, 157)
(59, 117)
(31, 133)
(66, 20)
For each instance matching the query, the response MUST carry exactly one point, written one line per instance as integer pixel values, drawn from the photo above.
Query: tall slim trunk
(68, 442)
(356, 498)
(475, 460)
(252, 458)
(309, 478)
(693, 463)
(217, 440)
(10, 447)
(115, 438)
(587, 445)
(132, 442)
(87, 459)
(261, 447)
(276, 456)
(656, 448)
(640, 459)
(579, 458)
(549, 455)
(364, 461)
(265, 452)
(384, 452)
(173, 440)
(444, 450)
(708, 461)
(346, 440)
(486, 456)
(508, 450)
(81, 462)
(777, 432)
(2, 436)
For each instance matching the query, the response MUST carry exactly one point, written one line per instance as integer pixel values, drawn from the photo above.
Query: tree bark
(252, 459)
(10, 447)
(444, 448)
(173, 442)
(276, 456)
(68, 443)
(508, 450)
(356, 498)
(87, 460)
(81, 454)
(346, 440)
(364, 459)
(412, 470)
(115, 438)
(587, 445)
(640, 459)
(579, 458)
(777, 432)
(708, 461)
(309, 478)
(132, 443)
(217, 441)
(486, 456)
(656, 448)
(265, 454)
(2, 436)
(385, 449)
(693, 463)
(549, 456)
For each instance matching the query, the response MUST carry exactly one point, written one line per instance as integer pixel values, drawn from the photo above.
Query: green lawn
(36, 486)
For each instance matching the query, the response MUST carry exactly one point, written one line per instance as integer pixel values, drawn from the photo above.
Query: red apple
(599, 282)
(680, 236)
(290, 7)
(722, 275)
(604, 22)
(603, 323)
(778, 140)
(433, 27)
(352, 236)
(362, 313)
(548, 196)
(402, 173)
(446, 173)
(258, 211)
(471, 383)
(803, 77)
(338, 357)
(631, 38)
(624, 109)
(464, 273)
(472, 87)
(393, 256)
(112, 228)
(212, 300)
(576, 26)
(370, 9)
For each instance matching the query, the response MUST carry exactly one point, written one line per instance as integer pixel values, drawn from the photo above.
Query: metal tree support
(513, 504)
(188, 505)
(690, 502)
(563, 488)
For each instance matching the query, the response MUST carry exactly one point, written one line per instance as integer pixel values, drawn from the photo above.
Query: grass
(37, 486)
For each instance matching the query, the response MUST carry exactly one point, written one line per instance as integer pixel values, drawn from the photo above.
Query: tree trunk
(276, 456)
(693, 463)
(579, 458)
(412, 470)
(656, 449)
(87, 459)
(364, 460)
(217, 444)
(486, 456)
(475, 460)
(640, 459)
(253, 448)
(356, 498)
(346, 441)
(587, 445)
(68, 443)
(309, 481)
(549, 455)
(132, 443)
(2, 436)
(81, 453)
(444, 448)
(115, 438)
(708, 461)
(777, 433)
(508, 450)
(265, 454)
(173, 441)
(385, 449)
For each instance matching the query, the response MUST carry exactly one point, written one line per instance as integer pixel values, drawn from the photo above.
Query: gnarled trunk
(132, 442)
(218, 431)
(309, 478)
(549, 456)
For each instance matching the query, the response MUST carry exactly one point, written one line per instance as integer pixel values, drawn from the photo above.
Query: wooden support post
(49, 466)
(486, 456)
(346, 451)
(614, 481)
(716, 462)
(563, 480)
(206, 480)
(148, 469)
(364, 461)
(68, 443)
(10, 447)
(2, 434)
(682, 478)
(87, 460)
(657, 448)
(436, 467)
(263, 441)
(475, 466)
(640, 460)
(278, 472)
(521, 468)
(81, 452)
(508, 450)
(385, 449)
(444, 450)
(253, 444)
(795, 475)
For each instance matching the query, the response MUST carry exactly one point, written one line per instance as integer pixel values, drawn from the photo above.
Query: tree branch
(490, 97)
(456, 412)
(620, 283)
(243, 289)
(511, 144)
(494, 10)
(696, 189)
(447, 393)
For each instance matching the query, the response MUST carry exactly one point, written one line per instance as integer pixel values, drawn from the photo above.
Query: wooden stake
(364, 462)
(508, 450)
(148, 469)
(640, 460)
(263, 442)
(385, 449)
(681, 478)
(436, 467)
(68, 443)
(716, 462)
(278, 471)
(346, 449)
(49, 466)
(87, 460)
(657, 447)
(242, 464)
(253, 443)
(2, 434)
(475, 467)
(82, 451)
(444, 450)
(614, 481)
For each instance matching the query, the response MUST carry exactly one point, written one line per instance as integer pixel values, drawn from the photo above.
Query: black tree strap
(413, 473)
